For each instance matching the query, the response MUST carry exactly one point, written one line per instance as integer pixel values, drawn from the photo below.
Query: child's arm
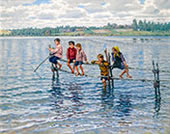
(52, 50)
(95, 62)
(67, 54)
(85, 57)
(123, 60)
(105, 51)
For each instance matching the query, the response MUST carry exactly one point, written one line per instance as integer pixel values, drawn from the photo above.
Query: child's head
(57, 41)
(100, 57)
(78, 46)
(115, 49)
(71, 44)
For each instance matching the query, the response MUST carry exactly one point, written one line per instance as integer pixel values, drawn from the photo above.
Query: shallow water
(30, 104)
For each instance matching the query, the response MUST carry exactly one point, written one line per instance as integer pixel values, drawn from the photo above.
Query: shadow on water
(66, 99)
(120, 103)
(124, 106)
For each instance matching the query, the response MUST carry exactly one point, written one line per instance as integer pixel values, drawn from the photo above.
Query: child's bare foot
(72, 71)
(77, 74)
(82, 74)
(121, 77)
(128, 76)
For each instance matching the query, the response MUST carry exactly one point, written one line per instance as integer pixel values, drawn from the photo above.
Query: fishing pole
(41, 63)
(43, 60)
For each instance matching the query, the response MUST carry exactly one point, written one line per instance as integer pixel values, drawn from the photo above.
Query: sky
(16, 14)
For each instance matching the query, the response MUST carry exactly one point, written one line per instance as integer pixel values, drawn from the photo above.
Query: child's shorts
(120, 66)
(71, 61)
(53, 59)
(106, 78)
(78, 63)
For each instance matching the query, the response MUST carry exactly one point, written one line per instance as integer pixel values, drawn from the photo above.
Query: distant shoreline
(74, 34)
(137, 28)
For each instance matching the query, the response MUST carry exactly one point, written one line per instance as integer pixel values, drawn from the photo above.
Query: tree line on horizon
(79, 30)
(150, 26)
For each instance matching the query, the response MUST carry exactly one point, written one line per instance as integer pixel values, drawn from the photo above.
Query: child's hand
(105, 50)
(49, 49)
(68, 61)
(93, 62)
(87, 62)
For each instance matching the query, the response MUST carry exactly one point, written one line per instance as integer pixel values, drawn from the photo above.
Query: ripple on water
(72, 104)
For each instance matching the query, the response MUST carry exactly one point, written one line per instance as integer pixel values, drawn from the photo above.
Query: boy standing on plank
(57, 53)
(71, 55)
(103, 65)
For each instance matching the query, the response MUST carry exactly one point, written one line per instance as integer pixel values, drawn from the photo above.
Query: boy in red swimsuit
(71, 55)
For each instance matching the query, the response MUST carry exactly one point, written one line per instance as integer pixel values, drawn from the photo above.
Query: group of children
(76, 55)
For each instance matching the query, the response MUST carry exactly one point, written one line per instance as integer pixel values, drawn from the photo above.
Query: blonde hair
(116, 48)
(78, 45)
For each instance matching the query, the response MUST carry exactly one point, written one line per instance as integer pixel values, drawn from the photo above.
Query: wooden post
(57, 72)
(52, 68)
(111, 74)
(107, 59)
(157, 80)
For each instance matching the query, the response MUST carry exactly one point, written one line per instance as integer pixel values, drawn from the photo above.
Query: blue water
(30, 104)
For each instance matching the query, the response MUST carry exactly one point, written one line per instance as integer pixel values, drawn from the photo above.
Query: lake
(35, 103)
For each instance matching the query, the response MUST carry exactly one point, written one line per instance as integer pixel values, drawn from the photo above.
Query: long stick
(111, 74)
(42, 63)
(107, 59)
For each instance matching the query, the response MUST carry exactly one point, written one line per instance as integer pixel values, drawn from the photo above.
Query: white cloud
(10, 3)
(13, 13)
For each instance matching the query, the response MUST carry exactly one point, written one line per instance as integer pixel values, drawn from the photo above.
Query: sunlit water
(30, 104)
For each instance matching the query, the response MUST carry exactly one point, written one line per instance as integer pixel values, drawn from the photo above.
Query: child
(119, 61)
(103, 65)
(71, 55)
(57, 53)
(79, 59)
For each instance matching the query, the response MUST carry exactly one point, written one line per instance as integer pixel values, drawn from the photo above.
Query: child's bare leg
(123, 72)
(127, 73)
(73, 67)
(104, 83)
(52, 68)
(77, 71)
(68, 64)
(81, 68)
(59, 65)
(55, 65)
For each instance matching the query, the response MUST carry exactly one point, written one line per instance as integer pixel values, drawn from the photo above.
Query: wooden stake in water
(157, 80)
(154, 72)
(111, 74)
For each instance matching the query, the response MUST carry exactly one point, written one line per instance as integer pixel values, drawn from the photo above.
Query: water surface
(30, 104)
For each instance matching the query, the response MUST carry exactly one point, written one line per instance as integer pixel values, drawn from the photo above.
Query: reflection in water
(67, 104)
(157, 104)
(56, 94)
(124, 106)
(107, 99)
